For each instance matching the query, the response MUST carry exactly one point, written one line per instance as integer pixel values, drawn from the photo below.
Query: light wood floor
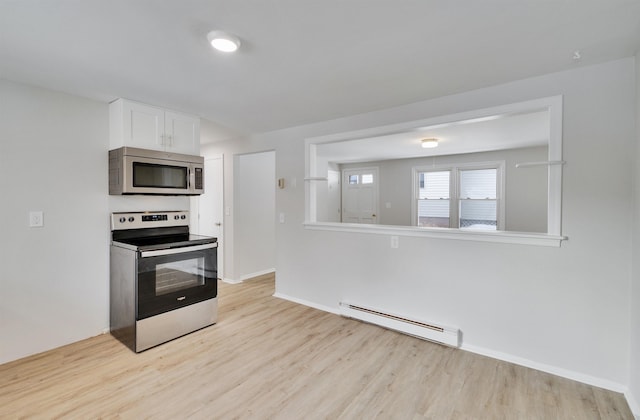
(271, 359)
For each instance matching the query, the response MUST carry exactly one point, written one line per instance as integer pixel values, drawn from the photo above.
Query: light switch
(395, 242)
(281, 217)
(36, 219)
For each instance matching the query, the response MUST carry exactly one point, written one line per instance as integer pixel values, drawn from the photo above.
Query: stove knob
(122, 220)
(131, 219)
(176, 217)
(183, 217)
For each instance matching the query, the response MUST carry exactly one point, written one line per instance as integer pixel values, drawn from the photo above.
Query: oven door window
(169, 282)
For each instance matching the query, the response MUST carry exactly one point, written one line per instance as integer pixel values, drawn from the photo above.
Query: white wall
(255, 214)
(53, 280)
(634, 393)
(564, 309)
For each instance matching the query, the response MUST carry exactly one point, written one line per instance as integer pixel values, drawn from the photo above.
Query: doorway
(255, 214)
(208, 217)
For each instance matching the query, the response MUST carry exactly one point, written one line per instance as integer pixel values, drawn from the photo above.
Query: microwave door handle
(192, 178)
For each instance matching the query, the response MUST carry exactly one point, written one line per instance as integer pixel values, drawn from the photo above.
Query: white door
(360, 195)
(209, 206)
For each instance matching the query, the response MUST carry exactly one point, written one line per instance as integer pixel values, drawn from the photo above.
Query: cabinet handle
(170, 138)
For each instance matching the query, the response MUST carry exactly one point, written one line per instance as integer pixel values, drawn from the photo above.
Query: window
(462, 196)
(433, 199)
(365, 178)
(478, 199)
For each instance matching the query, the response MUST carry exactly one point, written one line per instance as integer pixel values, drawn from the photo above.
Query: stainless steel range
(163, 279)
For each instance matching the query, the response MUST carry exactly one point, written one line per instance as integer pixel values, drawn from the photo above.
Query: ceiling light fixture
(223, 41)
(429, 143)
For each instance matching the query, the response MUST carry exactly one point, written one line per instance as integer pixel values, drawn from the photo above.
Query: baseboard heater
(427, 331)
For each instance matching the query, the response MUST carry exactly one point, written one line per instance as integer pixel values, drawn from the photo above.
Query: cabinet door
(143, 126)
(182, 133)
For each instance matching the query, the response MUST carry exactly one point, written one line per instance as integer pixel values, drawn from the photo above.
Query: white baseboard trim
(307, 303)
(633, 404)
(231, 281)
(256, 274)
(554, 370)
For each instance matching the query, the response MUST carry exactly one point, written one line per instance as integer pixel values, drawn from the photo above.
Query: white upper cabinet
(149, 127)
(182, 133)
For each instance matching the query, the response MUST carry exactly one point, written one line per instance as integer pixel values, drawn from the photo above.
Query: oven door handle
(181, 250)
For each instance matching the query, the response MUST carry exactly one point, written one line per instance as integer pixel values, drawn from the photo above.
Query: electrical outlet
(36, 219)
(281, 217)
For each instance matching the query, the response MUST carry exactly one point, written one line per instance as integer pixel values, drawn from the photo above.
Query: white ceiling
(301, 61)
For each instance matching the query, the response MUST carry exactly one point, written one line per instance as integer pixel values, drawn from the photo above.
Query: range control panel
(148, 219)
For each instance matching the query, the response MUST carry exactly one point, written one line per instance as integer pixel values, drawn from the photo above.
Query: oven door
(172, 278)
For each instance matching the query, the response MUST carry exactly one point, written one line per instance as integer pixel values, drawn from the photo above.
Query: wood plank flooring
(272, 359)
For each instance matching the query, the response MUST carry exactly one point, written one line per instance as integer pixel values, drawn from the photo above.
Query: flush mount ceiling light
(223, 41)
(429, 143)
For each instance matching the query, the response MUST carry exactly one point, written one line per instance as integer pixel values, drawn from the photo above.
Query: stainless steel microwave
(141, 171)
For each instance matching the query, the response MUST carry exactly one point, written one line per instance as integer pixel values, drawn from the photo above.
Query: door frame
(195, 205)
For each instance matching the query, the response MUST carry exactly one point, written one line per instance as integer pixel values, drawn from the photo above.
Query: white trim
(310, 188)
(553, 104)
(307, 303)
(256, 274)
(554, 174)
(231, 281)
(633, 403)
(523, 238)
(542, 163)
(554, 370)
